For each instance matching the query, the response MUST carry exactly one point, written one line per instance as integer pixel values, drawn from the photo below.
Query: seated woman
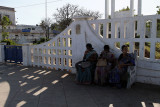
(105, 63)
(124, 61)
(85, 74)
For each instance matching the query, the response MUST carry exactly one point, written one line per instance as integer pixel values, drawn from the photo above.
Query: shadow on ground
(35, 87)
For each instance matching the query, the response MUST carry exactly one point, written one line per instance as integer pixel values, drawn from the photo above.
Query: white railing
(63, 51)
(54, 54)
(128, 36)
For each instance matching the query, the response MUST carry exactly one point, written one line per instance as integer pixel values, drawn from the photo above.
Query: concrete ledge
(148, 76)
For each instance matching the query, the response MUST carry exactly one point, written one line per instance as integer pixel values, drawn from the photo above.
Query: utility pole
(46, 19)
(46, 9)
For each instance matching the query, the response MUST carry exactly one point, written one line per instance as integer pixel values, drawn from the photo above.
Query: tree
(158, 21)
(125, 9)
(4, 23)
(84, 12)
(158, 11)
(45, 25)
(65, 14)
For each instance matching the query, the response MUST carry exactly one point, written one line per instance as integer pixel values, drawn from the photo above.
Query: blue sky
(32, 15)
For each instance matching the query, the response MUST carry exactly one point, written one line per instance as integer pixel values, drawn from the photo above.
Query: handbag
(102, 63)
(85, 64)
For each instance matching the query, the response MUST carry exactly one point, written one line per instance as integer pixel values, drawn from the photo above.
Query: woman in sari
(85, 75)
(124, 61)
(101, 73)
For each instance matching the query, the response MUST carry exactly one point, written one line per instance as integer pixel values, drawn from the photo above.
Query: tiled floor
(35, 87)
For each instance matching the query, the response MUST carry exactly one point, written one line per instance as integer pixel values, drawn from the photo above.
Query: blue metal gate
(13, 53)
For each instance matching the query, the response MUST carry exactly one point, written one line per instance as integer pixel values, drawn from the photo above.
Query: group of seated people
(105, 69)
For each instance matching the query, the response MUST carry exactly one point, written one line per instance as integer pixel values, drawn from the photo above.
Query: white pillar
(112, 8)
(26, 52)
(139, 7)
(2, 54)
(132, 7)
(106, 9)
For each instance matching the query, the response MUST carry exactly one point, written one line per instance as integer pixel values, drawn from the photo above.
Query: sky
(30, 14)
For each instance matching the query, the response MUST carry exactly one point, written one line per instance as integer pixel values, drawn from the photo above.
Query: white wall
(10, 13)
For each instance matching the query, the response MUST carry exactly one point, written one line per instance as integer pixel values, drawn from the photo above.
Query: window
(33, 28)
(25, 35)
(16, 35)
(7, 16)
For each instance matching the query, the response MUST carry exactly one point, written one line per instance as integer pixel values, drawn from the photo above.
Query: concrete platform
(35, 87)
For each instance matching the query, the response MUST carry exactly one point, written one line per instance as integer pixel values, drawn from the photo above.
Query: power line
(37, 4)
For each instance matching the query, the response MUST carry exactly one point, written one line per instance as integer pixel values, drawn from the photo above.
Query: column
(112, 8)
(26, 52)
(152, 51)
(139, 7)
(106, 9)
(2, 54)
(132, 7)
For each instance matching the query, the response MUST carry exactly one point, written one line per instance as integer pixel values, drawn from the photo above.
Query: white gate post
(25, 52)
(2, 54)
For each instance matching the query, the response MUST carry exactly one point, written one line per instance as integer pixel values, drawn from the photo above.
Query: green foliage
(63, 24)
(117, 44)
(5, 35)
(137, 36)
(101, 30)
(158, 11)
(9, 42)
(4, 23)
(158, 50)
(158, 28)
(147, 50)
(125, 9)
(42, 40)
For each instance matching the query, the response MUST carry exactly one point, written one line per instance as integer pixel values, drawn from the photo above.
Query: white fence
(63, 51)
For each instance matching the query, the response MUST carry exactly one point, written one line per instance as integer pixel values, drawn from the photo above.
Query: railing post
(153, 29)
(105, 31)
(152, 51)
(112, 29)
(141, 53)
(2, 54)
(26, 52)
(122, 30)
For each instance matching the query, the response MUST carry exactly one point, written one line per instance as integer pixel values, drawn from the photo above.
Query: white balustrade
(63, 51)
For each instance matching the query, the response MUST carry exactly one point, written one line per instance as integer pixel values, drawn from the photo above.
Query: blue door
(13, 54)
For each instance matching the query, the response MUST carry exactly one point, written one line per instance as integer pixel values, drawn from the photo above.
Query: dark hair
(89, 45)
(106, 47)
(123, 46)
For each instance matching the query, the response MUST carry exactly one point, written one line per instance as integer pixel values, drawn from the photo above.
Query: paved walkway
(34, 87)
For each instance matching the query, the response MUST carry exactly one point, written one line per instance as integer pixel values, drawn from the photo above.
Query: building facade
(21, 33)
